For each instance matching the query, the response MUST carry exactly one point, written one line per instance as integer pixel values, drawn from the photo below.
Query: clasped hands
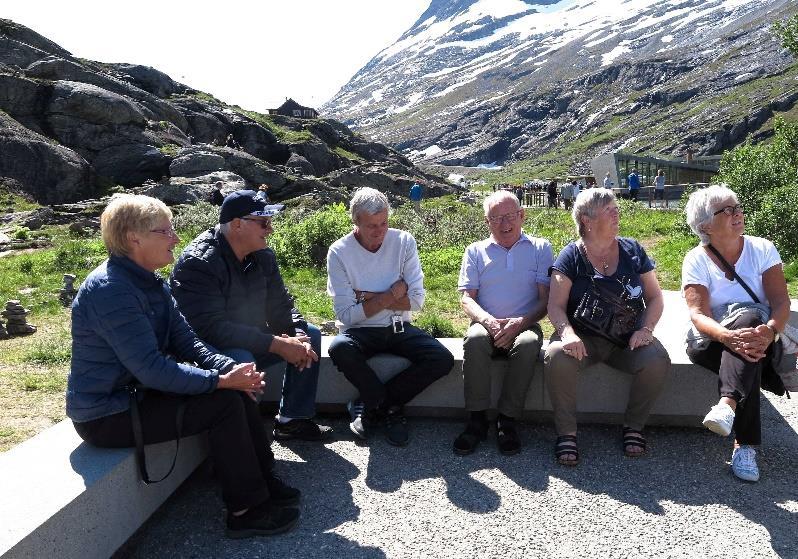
(295, 350)
(504, 331)
(749, 343)
(245, 378)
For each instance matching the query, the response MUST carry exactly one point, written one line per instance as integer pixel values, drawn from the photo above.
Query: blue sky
(252, 54)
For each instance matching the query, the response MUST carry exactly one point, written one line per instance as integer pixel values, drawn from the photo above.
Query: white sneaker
(743, 463)
(720, 419)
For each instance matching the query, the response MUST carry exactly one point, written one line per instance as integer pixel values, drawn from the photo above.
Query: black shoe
(396, 427)
(357, 424)
(468, 440)
(507, 437)
(264, 520)
(303, 429)
(280, 494)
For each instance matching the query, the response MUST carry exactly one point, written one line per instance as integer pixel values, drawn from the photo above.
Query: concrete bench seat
(603, 391)
(64, 498)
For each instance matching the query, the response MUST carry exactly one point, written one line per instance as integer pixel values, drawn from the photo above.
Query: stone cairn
(67, 293)
(16, 323)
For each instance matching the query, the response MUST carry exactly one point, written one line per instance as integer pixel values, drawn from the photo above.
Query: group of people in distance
(196, 346)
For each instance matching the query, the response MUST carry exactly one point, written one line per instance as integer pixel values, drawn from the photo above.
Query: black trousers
(430, 360)
(239, 444)
(737, 379)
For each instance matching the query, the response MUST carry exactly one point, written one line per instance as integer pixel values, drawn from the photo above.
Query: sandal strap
(633, 438)
(566, 444)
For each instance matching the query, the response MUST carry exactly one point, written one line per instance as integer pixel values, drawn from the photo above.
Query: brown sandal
(633, 439)
(566, 446)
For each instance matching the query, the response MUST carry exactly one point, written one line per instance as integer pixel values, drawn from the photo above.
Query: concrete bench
(64, 498)
(67, 499)
(603, 391)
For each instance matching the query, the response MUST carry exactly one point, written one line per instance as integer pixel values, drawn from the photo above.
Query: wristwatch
(776, 334)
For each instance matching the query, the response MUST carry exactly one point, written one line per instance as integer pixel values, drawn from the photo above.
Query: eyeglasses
(510, 217)
(167, 232)
(729, 210)
(264, 223)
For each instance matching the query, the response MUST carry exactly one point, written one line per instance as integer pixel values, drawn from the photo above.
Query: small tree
(765, 178)
(787, 31)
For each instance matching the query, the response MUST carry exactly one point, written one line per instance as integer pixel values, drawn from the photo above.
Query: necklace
(604, 264)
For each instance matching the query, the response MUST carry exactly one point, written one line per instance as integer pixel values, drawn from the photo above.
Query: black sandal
(633, 439)
(566, 446)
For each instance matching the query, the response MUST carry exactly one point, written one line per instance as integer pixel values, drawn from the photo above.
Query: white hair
(368, 200)
(701, 206)
(587, 202)
(497, 198)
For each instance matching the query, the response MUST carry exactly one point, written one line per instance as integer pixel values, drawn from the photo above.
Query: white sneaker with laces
(743, 463)
(720, 419)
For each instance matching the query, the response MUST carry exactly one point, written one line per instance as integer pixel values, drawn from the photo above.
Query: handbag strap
(734, 273)
(138, 435)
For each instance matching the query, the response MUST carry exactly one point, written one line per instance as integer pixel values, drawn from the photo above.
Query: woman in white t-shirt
(740, 350)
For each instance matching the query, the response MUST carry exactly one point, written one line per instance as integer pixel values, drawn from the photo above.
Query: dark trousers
(239, 444)
(737, 379)
(429, 362)
(633, 192)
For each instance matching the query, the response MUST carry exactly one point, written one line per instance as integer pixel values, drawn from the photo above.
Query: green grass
(283, 134)
(348, 154)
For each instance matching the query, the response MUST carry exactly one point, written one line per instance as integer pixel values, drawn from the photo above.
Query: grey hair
(586, 204)
(701, 206)
(368, 200)
(497, 198)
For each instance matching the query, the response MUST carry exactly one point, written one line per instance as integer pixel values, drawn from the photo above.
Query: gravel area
(680, 500)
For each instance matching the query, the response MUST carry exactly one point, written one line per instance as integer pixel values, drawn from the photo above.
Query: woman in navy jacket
(126, 330)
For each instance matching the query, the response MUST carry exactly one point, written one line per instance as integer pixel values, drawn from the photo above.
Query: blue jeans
(299, 387)
(429, 362)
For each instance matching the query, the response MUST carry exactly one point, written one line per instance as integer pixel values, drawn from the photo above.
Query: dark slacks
(239, 444)
(429, 362)
(737, 379)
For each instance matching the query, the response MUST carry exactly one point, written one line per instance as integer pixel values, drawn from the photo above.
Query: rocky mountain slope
(71, 128)
(558, 82)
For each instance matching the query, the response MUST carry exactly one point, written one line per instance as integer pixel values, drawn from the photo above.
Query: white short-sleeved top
(758, 256)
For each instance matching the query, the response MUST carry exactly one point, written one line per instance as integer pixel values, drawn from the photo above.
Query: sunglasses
(264, 223)
(729, 210)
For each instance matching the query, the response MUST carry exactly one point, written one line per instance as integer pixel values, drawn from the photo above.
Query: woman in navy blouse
(622, 266)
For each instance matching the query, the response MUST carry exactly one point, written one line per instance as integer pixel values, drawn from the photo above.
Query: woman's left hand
(640, 338)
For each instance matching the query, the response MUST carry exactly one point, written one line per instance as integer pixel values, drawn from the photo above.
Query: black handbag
(604, 313)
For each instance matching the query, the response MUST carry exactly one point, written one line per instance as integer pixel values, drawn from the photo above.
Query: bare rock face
(189, 190)
(69, 127)
(53, 173)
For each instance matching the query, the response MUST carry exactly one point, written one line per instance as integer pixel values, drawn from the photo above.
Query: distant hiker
(263, 192)
(574, 189)
(416, 193)
(659, 185)
(634, 184)
(551, 190)
(231, 142)
(567, 195)
(519, 193)
(607, 181)
(216, 197)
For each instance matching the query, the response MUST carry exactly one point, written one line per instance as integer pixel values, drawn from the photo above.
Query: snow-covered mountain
(478, 81)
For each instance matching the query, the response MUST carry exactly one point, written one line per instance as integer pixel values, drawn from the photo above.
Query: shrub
(26, 266)
(190, 220)
(777, 220)
(304, 244)
(22, 233)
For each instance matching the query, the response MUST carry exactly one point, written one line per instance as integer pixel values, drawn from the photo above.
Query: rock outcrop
(71, 128)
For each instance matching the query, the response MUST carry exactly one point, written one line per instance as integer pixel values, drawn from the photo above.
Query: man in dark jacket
(228, 286)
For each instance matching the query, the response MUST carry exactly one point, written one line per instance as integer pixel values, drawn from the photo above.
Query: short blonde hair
(129, 212)
(586, 204)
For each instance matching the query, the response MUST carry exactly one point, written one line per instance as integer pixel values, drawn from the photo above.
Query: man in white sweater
(374, 277)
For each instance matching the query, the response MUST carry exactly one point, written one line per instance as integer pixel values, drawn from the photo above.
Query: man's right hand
(295, 350)
(492, 325)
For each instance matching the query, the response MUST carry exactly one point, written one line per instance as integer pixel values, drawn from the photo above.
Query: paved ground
(423, 501)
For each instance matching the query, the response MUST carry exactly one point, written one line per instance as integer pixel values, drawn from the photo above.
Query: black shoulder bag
(138, 436)
(602, 312)
(734, 273)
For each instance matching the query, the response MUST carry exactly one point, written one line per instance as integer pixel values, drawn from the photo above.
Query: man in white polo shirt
(504, 284)
(375, 280)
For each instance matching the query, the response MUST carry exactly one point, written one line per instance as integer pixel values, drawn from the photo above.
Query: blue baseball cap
(246, 202)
